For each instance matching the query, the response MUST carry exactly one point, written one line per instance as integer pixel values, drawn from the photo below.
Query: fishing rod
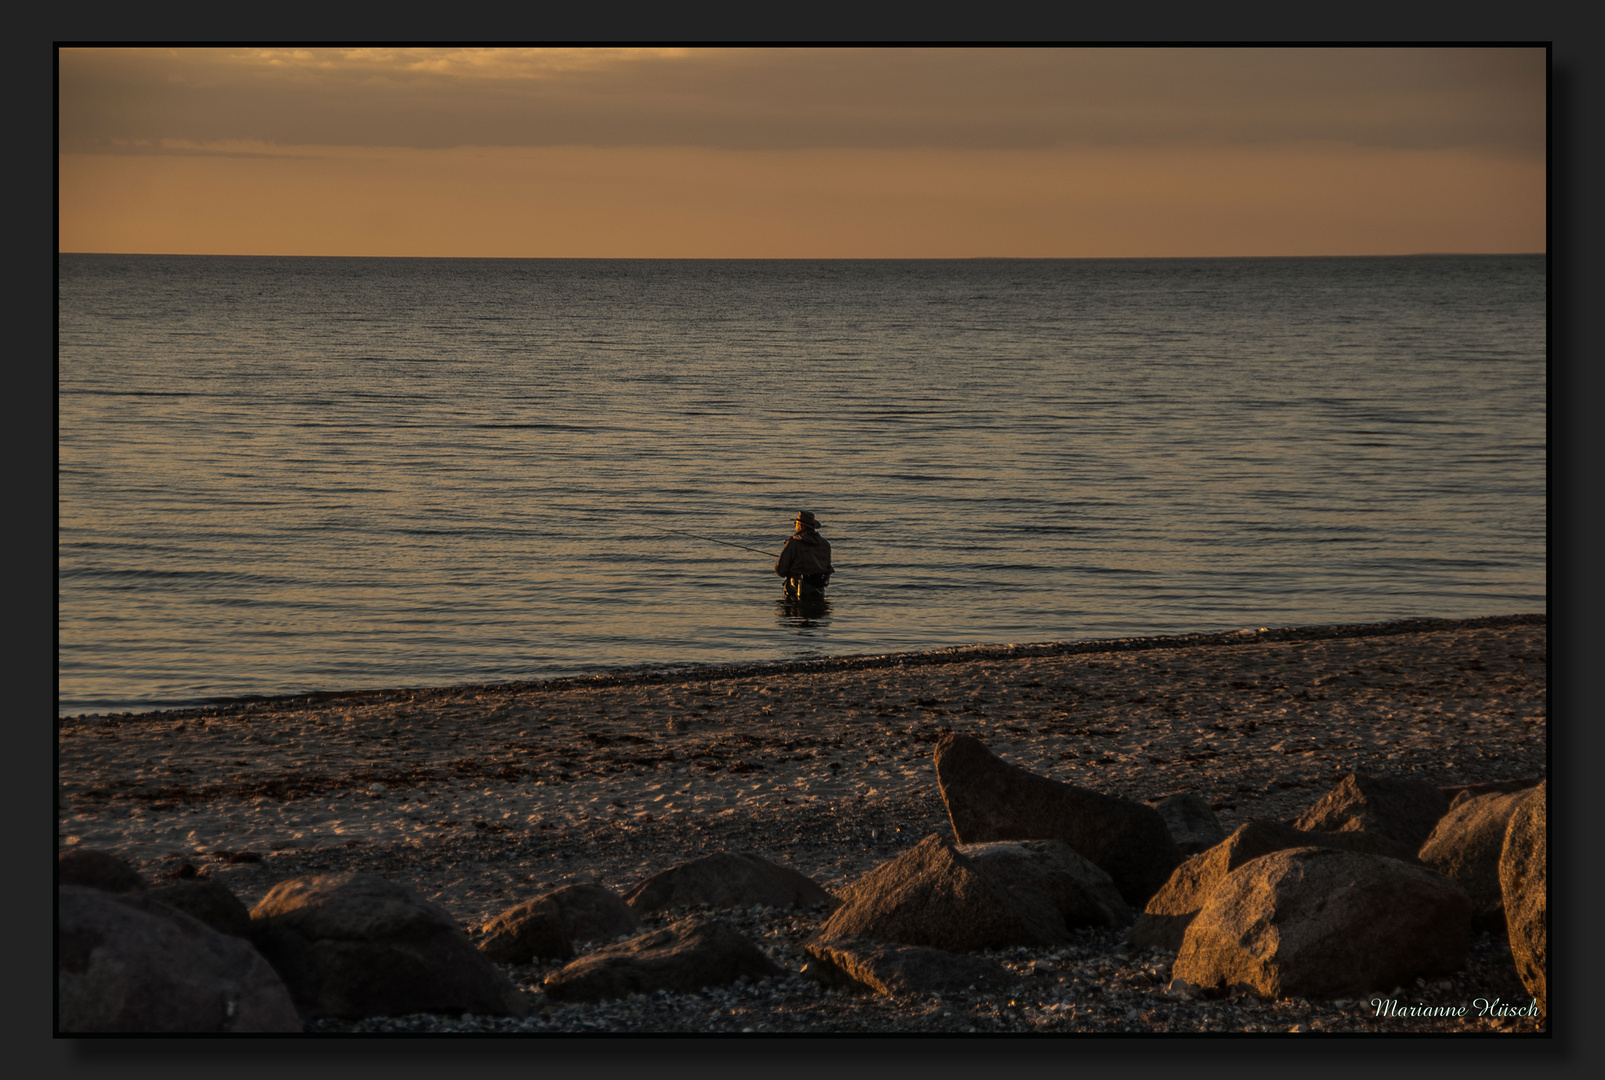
(711, 540)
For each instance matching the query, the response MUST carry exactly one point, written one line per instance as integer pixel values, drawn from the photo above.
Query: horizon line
(814, 258)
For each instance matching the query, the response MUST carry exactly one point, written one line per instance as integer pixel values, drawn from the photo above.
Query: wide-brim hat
(805, 518)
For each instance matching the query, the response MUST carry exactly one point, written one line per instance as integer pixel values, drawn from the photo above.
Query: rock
(526, 931)
(548, 925)
(126, 963)
(1081, 892)
(96, 870)
(1192, 824)
(1458, 793)
(1398, 808)
(353, 946)
(988, 799)
(688, 955)
(1524, 882)
(1320, 922)
(932, 895)
(592, 913)
(1164, 920)
(1181, 988)
(1465, 847)
(728, 879)
(209, 901)
(860, 964)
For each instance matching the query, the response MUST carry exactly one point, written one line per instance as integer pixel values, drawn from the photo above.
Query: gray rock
(526, 931)
(1165, 918)
(1319, 922)
(1192, 824)
(933, 895)
(126, 963)
(988, 799)
(592, 913)
(1524, 882)
(1399, 808)
(860, 964)
(688, 955)
(1077, 888)
(548, 925)
(1465, 847)
(350, 945)
(96, 870)
(209, 901)
(728, 879)
(1459, 793)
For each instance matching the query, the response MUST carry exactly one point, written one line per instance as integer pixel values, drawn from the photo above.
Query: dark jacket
(805, 553)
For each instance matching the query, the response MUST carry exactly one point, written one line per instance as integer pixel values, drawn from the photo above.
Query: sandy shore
(482, 796)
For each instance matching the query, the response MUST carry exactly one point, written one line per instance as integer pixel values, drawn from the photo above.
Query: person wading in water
(805, 560)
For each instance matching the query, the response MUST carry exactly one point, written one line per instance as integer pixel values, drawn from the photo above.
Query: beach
(479, 797)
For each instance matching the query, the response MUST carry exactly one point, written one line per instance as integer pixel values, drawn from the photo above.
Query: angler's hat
(805, 518)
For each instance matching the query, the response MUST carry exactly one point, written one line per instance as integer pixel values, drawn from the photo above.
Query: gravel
(1095, 984)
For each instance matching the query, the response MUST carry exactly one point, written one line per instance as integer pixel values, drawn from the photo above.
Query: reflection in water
(803, 610)
(1197, 429)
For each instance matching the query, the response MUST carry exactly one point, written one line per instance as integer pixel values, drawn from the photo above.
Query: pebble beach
(479, 797)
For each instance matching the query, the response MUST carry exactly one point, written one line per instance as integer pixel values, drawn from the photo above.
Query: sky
(802, 153)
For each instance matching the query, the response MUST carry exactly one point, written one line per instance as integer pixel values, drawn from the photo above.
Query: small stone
(687, 955)
(726, 879)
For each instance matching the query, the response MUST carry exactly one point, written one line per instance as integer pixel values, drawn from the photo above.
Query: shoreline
(481, 797)
(636, 674)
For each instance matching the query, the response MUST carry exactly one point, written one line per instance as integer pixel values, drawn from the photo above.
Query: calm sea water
(279, 475)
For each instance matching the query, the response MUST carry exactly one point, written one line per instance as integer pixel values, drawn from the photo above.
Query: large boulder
(1164, 920)
(935, 896)
(548, 925)
(727, 879)
(209, 901)
(526, 931)
(988, 799)
(688, 955)
(351, 945)
(1081, 892)
(1459, 793)
(1191, 822)
(96, 870)
(127, 963)
(1466, 846)
(860, 964)
(1524, 882)
(592, 913)
(1319, 922)
(1399, 808)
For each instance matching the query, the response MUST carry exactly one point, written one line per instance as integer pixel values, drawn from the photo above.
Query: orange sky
(802, 153)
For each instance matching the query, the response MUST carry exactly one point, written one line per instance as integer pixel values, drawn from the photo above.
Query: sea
(288, 475)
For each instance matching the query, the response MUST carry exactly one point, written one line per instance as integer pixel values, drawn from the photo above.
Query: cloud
(680, 202)
(185, 100)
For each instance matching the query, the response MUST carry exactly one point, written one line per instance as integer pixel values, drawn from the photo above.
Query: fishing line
(711, 540)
